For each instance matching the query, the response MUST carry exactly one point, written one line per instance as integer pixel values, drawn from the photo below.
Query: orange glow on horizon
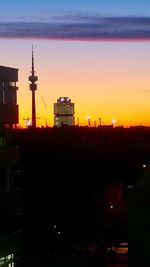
(107, 80)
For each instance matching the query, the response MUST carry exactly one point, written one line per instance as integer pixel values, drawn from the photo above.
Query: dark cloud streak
(95, 28)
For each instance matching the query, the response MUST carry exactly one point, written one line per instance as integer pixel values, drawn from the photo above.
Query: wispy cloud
(83, 28)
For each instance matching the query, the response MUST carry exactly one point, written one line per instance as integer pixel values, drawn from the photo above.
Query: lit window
(12, 83)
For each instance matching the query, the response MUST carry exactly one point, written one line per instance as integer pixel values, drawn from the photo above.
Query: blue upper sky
(75, 19)
(49, 10)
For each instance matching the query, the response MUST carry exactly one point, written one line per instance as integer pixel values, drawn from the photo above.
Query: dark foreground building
(74, 183)
(10, 207)
(139, 221)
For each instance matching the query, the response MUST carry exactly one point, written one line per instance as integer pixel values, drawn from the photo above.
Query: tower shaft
(33, 110)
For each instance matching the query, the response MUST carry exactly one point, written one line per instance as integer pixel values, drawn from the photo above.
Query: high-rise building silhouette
(8, 96)
(33, 88)
(10, 208)
(64, 112)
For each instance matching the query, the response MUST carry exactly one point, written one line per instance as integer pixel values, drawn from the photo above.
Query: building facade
(10, 207)
(64, 112)
(8, 96)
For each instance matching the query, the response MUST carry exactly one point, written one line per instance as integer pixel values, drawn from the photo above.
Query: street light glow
(88, 119)
(113, 121)
(28, 122)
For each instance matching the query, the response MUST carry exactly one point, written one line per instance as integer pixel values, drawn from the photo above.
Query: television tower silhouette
(33, 88)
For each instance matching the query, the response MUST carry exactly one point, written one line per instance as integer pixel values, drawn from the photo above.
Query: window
(12, 83)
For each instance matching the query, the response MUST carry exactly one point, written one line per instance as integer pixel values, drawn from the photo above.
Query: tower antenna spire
(33, 87)
(32, 61)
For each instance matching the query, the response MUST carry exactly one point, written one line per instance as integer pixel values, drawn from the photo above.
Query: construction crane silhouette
(45, 106)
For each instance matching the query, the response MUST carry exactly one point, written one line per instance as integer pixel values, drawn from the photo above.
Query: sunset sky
(97, 52)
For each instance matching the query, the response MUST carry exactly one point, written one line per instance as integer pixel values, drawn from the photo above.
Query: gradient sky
(96, 52)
